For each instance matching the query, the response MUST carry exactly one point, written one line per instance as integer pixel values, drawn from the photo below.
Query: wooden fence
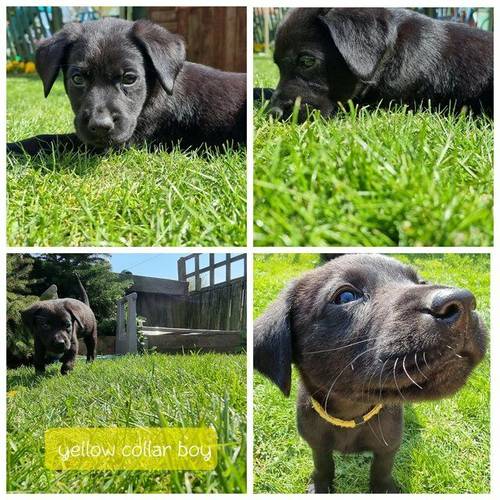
(220, 307)
(211, 303)
(27, 25)
(215, 36)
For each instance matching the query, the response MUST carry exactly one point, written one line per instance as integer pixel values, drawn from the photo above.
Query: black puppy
(366, 335)
(326, 56)
(129, 83)
(56, 325)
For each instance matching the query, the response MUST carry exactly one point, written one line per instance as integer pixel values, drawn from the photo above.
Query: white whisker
(394, 376)
(343, 370)
(425, 361)
(418, 368)
(408, 375)
(337, 348)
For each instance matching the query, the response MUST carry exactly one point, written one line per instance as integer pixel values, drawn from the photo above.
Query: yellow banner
(81, 448)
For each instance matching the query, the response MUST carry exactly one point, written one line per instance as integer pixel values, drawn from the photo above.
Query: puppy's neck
(337, 406)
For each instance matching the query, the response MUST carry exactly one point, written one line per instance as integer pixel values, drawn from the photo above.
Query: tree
(103, 286)
(19, 296)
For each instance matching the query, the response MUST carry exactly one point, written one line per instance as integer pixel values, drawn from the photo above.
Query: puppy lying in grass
(129, 84)
(326, 56)
(367, 335)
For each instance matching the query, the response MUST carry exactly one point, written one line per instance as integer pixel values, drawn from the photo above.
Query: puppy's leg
(69, 358)
(324, 471)
(91, 345)
(39, 357)
(381, 480)
(45, 144)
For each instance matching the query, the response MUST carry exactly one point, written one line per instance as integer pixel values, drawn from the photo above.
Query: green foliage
(129, 391)
(372, 177)
(129, 198)
(103, 286)
(446, 444)
(19, 297)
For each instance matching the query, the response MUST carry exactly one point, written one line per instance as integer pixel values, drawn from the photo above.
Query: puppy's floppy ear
(362, 37)
(272, 343)
(166, 51)
(75, 311)
(50, 54)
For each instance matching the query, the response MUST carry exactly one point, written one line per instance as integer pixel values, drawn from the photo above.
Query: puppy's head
(110, 68)
(325, 55)
(366, 328)
(52, 323)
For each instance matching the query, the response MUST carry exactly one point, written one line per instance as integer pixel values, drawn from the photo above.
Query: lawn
(130, 391)
(371, 177)
(133, 198)
(446, 444)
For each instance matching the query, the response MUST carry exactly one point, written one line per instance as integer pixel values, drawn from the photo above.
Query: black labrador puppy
(129, 83)
(56, 325)
(366, 334)
(326, 56)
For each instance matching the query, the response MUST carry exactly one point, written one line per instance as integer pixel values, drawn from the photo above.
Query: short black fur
(363, 330)
(372, 56)
(129, 84)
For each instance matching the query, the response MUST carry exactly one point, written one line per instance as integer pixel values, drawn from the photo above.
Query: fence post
(266, 30)
(132, 323)
(121, 338)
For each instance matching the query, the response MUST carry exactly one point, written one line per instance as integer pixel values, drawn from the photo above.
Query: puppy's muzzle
(101, 125)
(449, 306)
(58, 346)
(281, 110)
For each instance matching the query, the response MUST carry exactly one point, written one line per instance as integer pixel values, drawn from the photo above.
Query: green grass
(130, 391)
(446, 444)
(372, 177)
(132, 198)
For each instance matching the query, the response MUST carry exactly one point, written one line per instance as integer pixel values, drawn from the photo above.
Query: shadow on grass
(27, 378)
(80, 164)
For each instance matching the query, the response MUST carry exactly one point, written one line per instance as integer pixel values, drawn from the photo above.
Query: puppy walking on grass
(366, 335)
(56, 325)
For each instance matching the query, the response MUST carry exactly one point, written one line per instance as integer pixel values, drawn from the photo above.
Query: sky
(160, 265)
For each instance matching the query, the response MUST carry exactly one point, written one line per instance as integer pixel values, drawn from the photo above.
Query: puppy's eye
(346, 295)
(307, 61)
(68, 325)
(78, 80)
(129, 79)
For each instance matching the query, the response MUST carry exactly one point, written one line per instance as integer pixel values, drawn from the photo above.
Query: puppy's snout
(101, 124)
(449, 305)
(59, 345)
(276, 112)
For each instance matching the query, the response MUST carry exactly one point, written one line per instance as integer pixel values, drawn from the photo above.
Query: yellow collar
(356, 422)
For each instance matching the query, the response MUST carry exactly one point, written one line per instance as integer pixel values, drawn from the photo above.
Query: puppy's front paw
(388, 486)
(320, 487)
(65, 369)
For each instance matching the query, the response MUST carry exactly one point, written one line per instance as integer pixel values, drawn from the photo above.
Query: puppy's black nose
(450, 304)
(276, 112)
(101, 125)
(58, 345)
